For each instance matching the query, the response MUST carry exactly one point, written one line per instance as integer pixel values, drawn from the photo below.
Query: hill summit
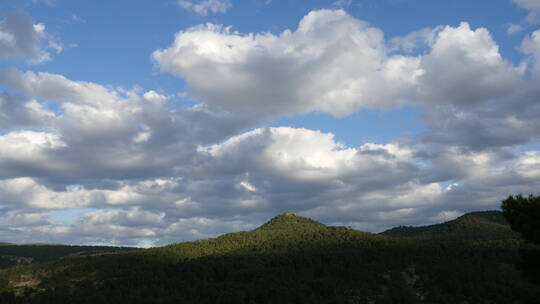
(290, 220)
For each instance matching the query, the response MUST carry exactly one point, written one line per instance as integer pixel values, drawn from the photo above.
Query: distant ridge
(481, 225)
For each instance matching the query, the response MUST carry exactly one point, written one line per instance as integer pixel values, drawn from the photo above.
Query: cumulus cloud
(331, 63)
(203, 7)
(464, 68)
(508, 120)
(304, 155)
(138, 132)
(20, 38)
(337, 64)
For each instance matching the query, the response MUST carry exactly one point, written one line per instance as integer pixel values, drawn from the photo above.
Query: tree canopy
(523, 215)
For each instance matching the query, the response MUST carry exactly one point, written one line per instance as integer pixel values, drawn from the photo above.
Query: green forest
(290, 259)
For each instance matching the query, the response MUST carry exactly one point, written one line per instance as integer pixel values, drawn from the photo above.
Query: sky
(144, 123)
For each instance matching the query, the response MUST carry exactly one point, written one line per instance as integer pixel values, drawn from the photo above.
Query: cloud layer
(82, 162)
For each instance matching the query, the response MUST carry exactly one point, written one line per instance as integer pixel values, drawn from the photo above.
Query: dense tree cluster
(523, 214)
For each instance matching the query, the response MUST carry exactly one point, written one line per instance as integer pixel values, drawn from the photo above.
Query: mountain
(483, 225)
(289, 259)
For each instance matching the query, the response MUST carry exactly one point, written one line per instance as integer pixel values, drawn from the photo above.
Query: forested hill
(284, 233)
(483, 225)
(290, 259)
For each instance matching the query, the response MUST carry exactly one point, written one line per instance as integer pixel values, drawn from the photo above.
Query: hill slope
(483, 225)
(290, 259)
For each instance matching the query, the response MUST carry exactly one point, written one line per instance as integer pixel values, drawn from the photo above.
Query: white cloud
(203, 7)
(514, 29)
(331, 63)
(29, 148)
(57, 87)
(337, 64)
(21, 39)
(15, 219)
(24, 191)
(528, 165)
(304, 155)
(531, 46)
(533, 6)
(138, 131)
(464, 67)
(243, 181)
(457, 163)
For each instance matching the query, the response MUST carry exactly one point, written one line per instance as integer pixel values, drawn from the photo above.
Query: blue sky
(110, 42)
(149, 122)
